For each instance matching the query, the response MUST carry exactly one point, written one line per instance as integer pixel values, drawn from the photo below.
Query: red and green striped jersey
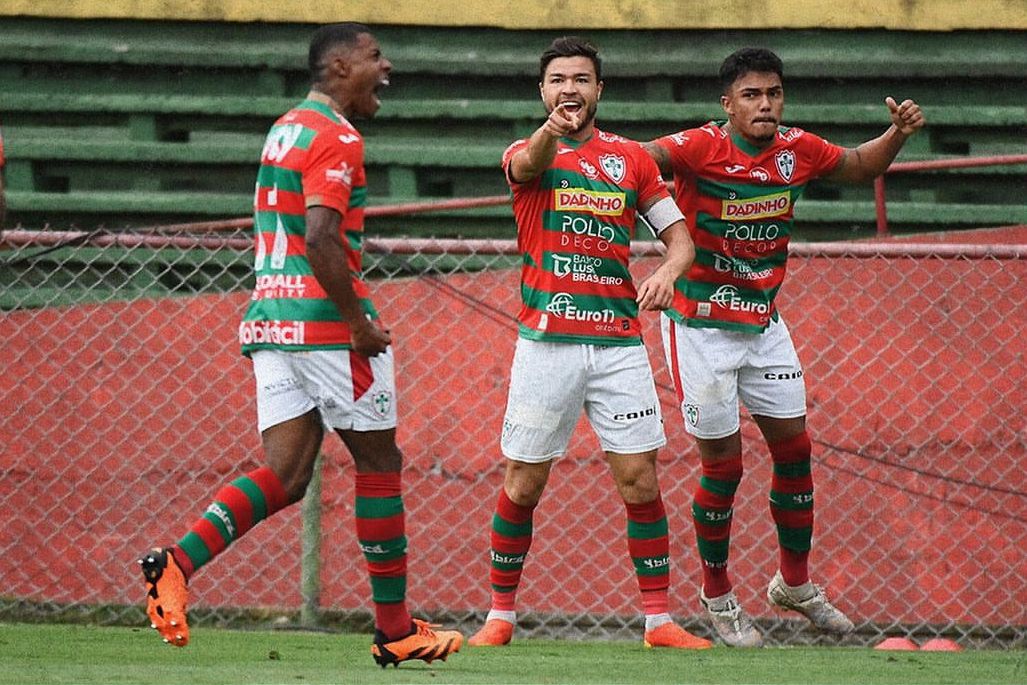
(738, 201)
(312, 157)
(575, 223)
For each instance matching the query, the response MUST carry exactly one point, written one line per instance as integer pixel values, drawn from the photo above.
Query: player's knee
(524, 483)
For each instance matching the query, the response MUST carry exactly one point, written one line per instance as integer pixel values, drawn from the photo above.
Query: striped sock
(649, 548)
(236, 508)
(712, 510)
(791, 505)
(510, 541)
(381, 532)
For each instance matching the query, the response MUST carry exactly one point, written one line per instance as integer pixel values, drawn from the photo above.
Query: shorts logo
(382, 402)
(785, 161)
(613, 166)
(692, 414)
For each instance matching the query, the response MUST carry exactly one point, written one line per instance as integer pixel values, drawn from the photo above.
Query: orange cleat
(495, 633)
(423, 643)
(673, 635)
(166, 596)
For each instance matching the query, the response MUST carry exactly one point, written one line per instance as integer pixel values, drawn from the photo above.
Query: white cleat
(811, 601)
(732, 624)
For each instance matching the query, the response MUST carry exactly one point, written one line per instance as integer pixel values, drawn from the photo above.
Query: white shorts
(550, 383)
(351, 391)
(712, 368)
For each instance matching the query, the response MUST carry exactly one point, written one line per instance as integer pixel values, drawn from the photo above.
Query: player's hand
(369, 340)
(562, 122)
(657, 292)
(907, 117)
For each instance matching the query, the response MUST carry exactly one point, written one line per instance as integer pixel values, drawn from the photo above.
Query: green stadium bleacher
(117, 122)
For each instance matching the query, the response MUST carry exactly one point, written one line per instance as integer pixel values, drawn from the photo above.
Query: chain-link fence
(127, 404)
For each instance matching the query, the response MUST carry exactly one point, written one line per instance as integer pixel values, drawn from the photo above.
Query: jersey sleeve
(685, 149)
(508, 154)
(650, 183)
(823, 156)
(332, 166)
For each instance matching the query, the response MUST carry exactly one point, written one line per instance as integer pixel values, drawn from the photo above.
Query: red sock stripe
(509, 511)
(271, 486)
(653, 547)
(647, 512)
(240, 506)
(711, 500)
(360, 369)
(505, 578)
(211, 536)
(396, 568)
(791, 485)
(792, 519)
(795, 448)
(654, 583)
(729, 469)
(375, 530)
(507, 545)
(379, 484)
(712, 533)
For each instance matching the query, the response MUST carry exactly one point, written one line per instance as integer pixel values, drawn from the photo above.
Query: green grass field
(43, 654)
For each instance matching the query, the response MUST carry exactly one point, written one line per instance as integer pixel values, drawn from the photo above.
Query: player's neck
(757, 143)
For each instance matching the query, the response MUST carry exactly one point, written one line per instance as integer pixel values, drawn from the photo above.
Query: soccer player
(737, 183)
(576, 193)
(319, 355)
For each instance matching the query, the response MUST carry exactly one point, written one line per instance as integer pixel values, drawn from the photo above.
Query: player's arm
(660, 155)
(327, 259)
(535, 157)
(871, 159)
(657, 291)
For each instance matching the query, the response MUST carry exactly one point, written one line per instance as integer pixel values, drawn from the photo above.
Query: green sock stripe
(195, 548)
(219, 523)
(795, 539)
(714, 551)
(652, 566)
(510, 530)
(647, 531)
(799, 501)
(256, 496)
(724, 488)
(504, 588)
(799, 468)
(712, 517)
(388, 590)
(378, 507)
(384, 550)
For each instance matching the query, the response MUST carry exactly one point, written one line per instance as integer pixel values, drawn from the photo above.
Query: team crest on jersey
(613, 166)
(785, 161)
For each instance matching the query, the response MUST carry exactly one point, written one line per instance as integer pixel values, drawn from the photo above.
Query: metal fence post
(310, 588)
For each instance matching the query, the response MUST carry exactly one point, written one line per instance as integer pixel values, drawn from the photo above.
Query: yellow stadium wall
(914, 15)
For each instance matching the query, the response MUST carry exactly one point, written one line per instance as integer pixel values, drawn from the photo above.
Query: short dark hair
(741, 62)
(326, 38)
(570, 46)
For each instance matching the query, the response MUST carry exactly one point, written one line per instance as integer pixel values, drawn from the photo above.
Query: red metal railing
(960, 163)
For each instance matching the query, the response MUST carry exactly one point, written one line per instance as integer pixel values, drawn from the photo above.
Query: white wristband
(663, 214)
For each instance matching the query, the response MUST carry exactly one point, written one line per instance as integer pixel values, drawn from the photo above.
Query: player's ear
(725, 103)
(599, 90)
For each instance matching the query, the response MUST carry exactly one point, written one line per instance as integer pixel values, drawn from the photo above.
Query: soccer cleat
(166, 596)
(730, 621)
(810, 601)
(673, 635)
(423, 643)
(495, 633)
